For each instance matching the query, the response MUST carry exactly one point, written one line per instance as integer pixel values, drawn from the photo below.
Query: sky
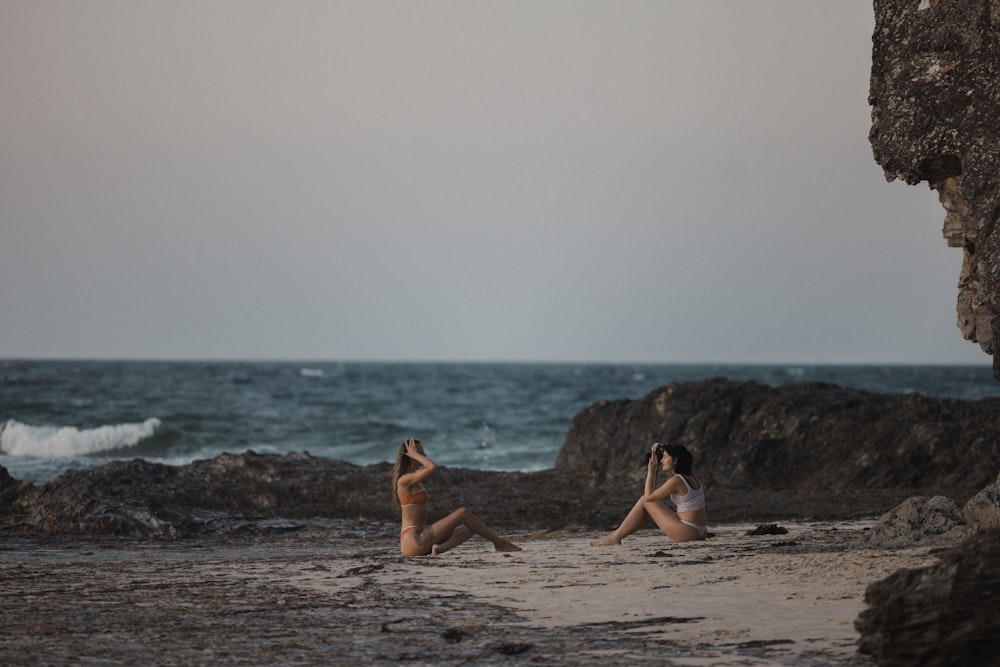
(529, 180)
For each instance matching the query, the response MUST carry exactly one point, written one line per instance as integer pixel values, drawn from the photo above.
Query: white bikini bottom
(702, 530)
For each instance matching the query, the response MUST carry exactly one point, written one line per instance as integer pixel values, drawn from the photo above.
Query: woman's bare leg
(671, 525)
(445, 528)
(665, 518)
(460, 534)
(633, 521)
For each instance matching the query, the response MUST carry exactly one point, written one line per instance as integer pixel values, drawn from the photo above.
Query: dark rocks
(808, 451)
(944, 614)
(768, 529)
(140, 498)
(513, 648)
(453, 635)
(240, 493)
(939, 616)
(10, 488)
(936, 118)
(796, 440)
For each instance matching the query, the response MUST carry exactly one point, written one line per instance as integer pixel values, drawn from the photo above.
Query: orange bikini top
(418, 498)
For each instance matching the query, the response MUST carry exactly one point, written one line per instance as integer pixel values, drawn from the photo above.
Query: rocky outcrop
(807, 451)
(799, 439)
(936, 118)
(939, 616)
(11, 489)
(151, 499)
(937, 521)
(983, 509)
(918, 521)
(267, 492)
(944, 614)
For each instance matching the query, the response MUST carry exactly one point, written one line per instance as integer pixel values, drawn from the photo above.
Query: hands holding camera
(656, 452)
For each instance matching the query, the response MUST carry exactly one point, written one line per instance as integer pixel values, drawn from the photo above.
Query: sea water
(60, 415)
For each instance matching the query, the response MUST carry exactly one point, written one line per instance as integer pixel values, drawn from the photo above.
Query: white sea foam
(17, 439)
(311, 372)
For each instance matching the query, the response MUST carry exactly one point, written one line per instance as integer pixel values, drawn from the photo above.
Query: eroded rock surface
(798, 439)
(983, 509)
(807, 451)
(936, 118)
(261, 492)
(919, 521)
(939, 616)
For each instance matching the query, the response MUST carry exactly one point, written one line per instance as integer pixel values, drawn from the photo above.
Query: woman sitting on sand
(409, 495)
(685, 490)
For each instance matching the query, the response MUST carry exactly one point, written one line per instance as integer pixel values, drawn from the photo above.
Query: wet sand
(339, 593)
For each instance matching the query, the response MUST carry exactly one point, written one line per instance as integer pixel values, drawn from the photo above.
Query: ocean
(61, 415)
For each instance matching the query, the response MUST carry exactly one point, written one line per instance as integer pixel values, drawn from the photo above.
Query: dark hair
(685, 461)
(404, 464)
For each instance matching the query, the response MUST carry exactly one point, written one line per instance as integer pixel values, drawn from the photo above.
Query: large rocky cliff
(935, 97)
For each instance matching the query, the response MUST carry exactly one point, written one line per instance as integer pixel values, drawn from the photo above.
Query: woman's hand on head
(414, 449)
(411, 446)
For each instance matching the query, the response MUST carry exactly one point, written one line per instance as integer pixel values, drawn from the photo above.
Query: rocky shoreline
(337, 592)
(247, 492)
(149, 556)
(799, 452)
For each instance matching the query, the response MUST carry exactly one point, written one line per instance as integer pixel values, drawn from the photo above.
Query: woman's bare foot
(606, 541)
(506, 546)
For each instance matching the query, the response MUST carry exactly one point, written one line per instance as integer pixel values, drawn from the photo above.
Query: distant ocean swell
(60, 415)
(17, 439)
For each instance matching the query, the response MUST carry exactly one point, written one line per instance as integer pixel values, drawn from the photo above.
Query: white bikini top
(694, 500)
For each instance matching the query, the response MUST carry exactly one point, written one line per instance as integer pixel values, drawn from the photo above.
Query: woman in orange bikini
(409, 495)
(685, 491)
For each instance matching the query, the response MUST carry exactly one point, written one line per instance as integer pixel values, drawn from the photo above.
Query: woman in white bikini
(409, 495)
(685, 491)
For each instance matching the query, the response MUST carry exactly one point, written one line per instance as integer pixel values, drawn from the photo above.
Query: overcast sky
(537, 180)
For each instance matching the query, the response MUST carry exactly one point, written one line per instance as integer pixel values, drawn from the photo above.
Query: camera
(658, 451)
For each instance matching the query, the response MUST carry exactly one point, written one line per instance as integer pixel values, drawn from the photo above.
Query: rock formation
(807, 451)
(983, 509)
(936, 118)
(919, 520)
(796, 439)
(267, 492)
(944, 615)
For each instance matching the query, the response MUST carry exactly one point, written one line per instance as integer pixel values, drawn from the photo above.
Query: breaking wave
(17, 439)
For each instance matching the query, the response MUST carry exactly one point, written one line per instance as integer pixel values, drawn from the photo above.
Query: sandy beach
(338, 592)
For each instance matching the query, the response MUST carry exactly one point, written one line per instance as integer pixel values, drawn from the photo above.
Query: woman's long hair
(404, 464)
(684, 458)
